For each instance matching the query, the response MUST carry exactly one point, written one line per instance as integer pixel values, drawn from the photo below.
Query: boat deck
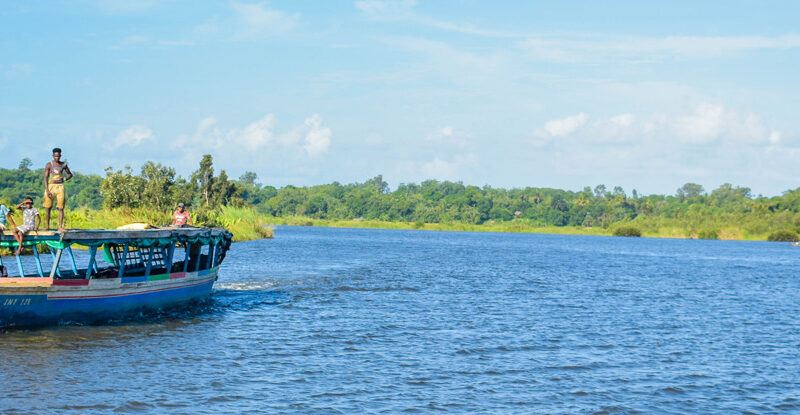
(77, 235)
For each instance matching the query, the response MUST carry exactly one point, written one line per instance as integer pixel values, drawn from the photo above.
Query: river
(322, 320)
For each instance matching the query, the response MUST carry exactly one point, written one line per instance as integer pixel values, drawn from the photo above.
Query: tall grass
(244, 223)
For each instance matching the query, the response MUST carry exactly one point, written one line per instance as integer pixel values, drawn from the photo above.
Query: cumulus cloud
(132, 136)
(317, 138)
(311, 136)
(561, 127)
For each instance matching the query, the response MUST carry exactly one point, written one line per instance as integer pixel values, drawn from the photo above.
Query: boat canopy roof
(133, 238)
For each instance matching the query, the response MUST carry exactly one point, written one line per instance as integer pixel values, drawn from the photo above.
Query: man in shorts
(5, 217)
(30, 222)
(54, 187)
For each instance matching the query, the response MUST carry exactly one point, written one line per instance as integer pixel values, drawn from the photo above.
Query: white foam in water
(246, 286)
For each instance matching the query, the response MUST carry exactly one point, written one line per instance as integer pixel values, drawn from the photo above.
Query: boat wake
(245, 286)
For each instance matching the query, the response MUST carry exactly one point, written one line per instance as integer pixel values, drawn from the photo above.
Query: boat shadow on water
(220, 302)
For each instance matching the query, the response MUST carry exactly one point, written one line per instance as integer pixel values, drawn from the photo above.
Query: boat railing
(124, 253)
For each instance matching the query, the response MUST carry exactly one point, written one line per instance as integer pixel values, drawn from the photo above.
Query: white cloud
(706, 124)
(259, 20)
(255, 135)
(449, 135)
(260, 135)
(317, 138)
(133, 136)
(404, 10)
(581, 48)
(562, 127)
(374, 140)
(775, 137)
(446, 170)
(380, 10)
(123, 6)
(623, 120)
(703, 125)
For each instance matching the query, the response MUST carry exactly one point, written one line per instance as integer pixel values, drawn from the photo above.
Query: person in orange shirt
(181, 216)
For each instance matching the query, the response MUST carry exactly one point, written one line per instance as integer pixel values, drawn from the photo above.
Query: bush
(627, 231)
(783, 236)
(708, 234)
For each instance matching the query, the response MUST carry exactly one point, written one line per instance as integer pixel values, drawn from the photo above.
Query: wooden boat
(138, 270)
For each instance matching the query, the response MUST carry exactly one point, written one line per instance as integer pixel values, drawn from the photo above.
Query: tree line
(157, 186)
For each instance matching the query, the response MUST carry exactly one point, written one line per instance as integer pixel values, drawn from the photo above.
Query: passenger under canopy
(126, 253)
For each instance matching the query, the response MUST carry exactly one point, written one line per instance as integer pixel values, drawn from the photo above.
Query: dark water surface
(371, 321)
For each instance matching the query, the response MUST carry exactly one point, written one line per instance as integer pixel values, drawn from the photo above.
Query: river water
(324, 320)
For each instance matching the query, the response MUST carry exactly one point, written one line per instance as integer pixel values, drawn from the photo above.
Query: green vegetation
(626, 230)
(728, 212)
(783, 236)
(123, 197)
(708, 234)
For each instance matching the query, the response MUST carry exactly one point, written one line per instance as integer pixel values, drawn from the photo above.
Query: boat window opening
(60, 264)
(205, 253)
(102, 269)
(140, 261)
(210, 262)
(178, 258)
(194, 263)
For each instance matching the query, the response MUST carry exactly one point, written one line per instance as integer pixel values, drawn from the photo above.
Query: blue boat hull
(57, 305)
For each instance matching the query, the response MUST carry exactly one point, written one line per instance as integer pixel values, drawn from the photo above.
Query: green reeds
(244, 223)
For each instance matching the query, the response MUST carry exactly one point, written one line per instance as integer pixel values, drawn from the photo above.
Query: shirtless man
(54, 188)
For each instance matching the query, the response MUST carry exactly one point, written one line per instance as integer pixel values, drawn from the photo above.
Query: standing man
(181, 216)
(54, 188)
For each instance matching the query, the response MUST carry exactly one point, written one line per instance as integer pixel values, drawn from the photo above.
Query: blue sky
(645, 95)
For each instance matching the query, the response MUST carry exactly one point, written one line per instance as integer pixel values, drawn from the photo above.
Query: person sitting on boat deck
(181, 216)
(54, 187)
(30, 222)
(5, 215)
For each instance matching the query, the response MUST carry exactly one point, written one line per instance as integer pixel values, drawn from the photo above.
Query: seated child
(30, 222)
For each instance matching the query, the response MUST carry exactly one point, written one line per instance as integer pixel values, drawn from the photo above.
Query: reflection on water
(340, 320)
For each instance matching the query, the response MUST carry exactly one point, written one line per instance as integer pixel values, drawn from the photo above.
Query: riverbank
(647, 228)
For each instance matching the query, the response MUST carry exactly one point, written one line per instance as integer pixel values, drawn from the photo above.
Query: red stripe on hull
(70, 282)
(126, 294)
